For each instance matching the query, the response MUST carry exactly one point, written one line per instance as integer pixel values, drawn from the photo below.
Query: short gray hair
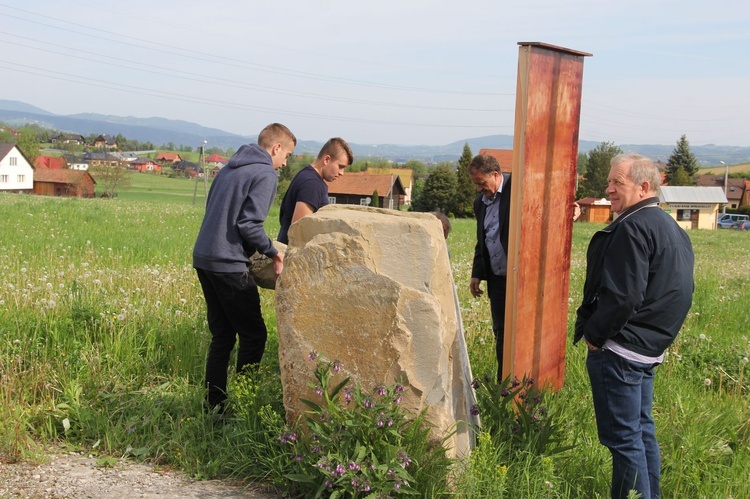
(642, 169)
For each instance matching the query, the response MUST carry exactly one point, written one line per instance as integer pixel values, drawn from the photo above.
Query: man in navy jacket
(638, 290)
(232, 230)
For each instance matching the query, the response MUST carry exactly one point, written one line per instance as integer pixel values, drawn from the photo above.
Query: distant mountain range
(161, 131)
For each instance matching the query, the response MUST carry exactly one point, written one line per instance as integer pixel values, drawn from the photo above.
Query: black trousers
(496, 288)
(233, 310)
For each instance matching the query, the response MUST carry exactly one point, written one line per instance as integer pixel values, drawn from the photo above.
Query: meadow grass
(103, 340)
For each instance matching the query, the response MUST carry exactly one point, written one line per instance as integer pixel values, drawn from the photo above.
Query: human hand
(475, 288)
(576, 211)
(278, 264)
(590, 346)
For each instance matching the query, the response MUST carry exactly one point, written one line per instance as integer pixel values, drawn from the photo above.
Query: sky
(411, 72)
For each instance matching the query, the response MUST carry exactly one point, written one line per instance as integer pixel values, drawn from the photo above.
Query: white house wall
(16, 174)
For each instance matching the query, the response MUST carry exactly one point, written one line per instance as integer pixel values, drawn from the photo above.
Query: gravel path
(76, 476)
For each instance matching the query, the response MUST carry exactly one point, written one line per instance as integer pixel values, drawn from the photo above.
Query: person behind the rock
(308, 191)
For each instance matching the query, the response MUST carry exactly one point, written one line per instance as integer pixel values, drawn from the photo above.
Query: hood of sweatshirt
(250, 154)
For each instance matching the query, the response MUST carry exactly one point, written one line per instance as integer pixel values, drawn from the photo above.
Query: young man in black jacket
(638, 290)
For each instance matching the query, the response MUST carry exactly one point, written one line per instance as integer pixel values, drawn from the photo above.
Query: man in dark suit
(491, 209)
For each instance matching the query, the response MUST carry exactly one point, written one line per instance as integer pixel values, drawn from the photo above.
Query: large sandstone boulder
(373, 289)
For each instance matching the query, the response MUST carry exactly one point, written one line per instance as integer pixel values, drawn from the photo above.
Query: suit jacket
(481, 267)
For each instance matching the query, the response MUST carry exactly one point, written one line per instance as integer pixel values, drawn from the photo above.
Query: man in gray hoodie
(232, 230)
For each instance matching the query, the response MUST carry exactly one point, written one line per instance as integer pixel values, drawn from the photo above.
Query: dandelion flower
(707, 381)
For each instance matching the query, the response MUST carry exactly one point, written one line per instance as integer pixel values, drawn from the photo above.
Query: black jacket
(481, 265)
(639, 281)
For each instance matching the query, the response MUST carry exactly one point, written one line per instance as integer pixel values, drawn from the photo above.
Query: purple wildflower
(474, 410)
(336, 366)
(399, 388)
(312, 355)
(380, 390)
(397, 400)
(475, 384)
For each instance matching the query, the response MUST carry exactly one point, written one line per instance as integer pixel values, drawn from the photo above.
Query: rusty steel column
(545, 152)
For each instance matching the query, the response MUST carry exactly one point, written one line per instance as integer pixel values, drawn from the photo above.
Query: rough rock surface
(372, 288)
(261, 268)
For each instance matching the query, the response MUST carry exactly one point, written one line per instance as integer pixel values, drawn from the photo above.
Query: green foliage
(597, 170)
(416, 166)
(514, 412)
(438, 193)
(465, 190)
(681, 157)
(680, 177)
(28, 143)
(359, 443)
(375, 199)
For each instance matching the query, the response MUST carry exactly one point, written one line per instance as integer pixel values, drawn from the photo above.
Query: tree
(28, 143)
(680, 177)
(438, 192)
(682, 157)
(110, 178)
(597, 170)
(375, 199)
(465, 190)
(416, 166)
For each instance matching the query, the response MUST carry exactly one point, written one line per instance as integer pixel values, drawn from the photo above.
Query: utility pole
(726, 181)
(201, 166)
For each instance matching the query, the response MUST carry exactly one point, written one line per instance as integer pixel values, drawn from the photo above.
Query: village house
(52, 162)
(214, 159)
(67, 138)
(692, 207)
(16, 171)
(105, 141)
(69, 183)
(405, 175)
(735, 188)
(145, 165)
(358, 188)
(101, 159)
(168, 157)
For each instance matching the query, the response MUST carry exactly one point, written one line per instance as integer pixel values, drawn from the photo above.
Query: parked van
(727, 219)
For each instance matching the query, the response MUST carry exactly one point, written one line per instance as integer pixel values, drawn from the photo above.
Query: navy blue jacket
(639, 281)
(236, 208)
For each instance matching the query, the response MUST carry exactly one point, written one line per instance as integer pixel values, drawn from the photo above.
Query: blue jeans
(623, 393)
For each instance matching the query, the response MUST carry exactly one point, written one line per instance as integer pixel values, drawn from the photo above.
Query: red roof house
(357, 188)
(55, 163)
(168, 156)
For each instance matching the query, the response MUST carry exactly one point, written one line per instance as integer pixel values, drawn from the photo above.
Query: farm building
(595, 210)
(71, 183)
(358, 188)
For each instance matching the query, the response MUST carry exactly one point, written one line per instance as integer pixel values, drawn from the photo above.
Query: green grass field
(103, 339)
